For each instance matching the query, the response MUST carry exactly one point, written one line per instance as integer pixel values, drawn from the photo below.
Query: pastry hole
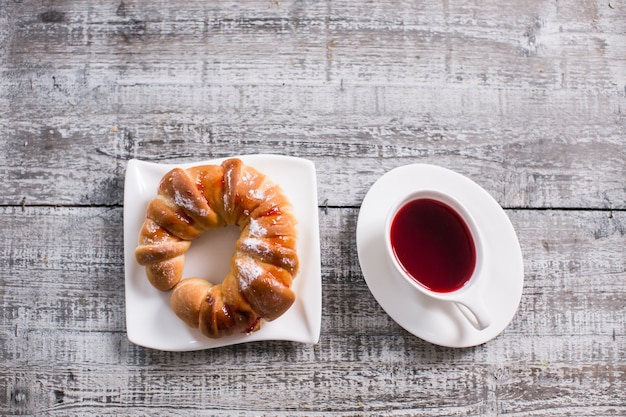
(209, 255)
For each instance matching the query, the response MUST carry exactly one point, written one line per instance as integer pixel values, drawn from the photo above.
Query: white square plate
(150, 321)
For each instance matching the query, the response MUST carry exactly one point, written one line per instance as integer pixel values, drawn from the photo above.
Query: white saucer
(435, 321)
(150, 321)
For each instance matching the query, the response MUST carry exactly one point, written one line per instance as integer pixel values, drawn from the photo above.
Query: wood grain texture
(63, 333)
(528, 99)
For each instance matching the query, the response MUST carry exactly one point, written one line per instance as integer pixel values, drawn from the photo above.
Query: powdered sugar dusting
(246, 177)
(151, 227)
(285, 259)
(188, 203)
(256, 245)
(290, 262)
(257, 193)
(249, 270)
(164, 268)
(256, 230)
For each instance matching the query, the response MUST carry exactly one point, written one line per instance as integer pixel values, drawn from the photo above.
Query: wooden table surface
(526, 98)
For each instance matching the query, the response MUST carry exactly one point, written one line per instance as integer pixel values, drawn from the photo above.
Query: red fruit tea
(433, 244)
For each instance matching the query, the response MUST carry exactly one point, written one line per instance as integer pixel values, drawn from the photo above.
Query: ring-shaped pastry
(193, 201)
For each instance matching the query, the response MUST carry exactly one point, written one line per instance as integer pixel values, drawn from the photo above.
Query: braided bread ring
(263, 266)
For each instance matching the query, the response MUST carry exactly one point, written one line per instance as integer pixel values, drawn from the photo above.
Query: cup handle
(474, 311)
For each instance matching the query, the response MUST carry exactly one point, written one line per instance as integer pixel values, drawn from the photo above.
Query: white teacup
(435, 245)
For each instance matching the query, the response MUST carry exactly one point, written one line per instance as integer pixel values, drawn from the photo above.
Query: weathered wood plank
(61, 298)
(86, 165)
(358, 90)
(423, 391)
(526, 98)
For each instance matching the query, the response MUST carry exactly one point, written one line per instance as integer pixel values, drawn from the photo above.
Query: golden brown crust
(187, 297)
(263, 266)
